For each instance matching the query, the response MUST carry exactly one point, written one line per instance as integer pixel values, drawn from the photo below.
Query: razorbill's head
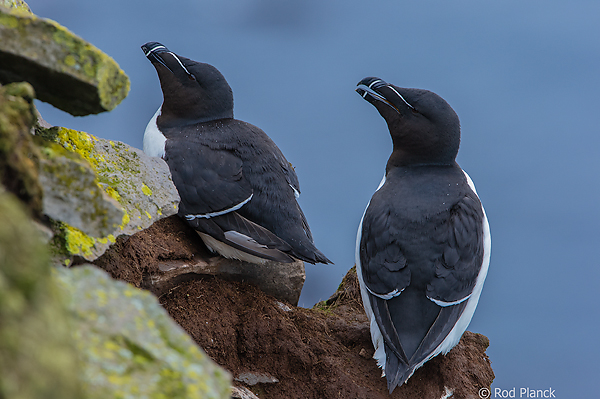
(193, 91)
(423, 126)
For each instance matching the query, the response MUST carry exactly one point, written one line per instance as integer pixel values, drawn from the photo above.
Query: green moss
(68, 241)
(82, 53)
(323, 307)
(38, 356)
(51, 150)
(131, 346)
(19, 157)
(113, 84)
(342, 294)
(70, 60)
(49, 134)
(110, 238)
(24, 90)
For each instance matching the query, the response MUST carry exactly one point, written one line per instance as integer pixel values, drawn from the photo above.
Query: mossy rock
(39, 359)
(140, 184)
(16, 5)
(76, 333)
(130, 346)
(19, 156)
(72, 193)
(65, 70)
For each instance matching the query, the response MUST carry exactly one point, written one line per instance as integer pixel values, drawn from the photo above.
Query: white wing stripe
(219, 213)
(387, 296)
(444, 304)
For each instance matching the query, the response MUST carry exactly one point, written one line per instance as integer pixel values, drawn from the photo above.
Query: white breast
(376, 336)
(154, 140)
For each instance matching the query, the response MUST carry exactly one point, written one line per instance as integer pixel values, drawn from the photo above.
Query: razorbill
(423, 243)
(237, 189)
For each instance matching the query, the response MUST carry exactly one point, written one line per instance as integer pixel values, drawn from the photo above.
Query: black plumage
(423, 244)
(235, 184)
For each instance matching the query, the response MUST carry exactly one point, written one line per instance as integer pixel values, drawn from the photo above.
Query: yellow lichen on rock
(79, 142)
(77, 242)
(130, 346)
(141, 185)
(66, 71)
(18, 6)
(146, 190)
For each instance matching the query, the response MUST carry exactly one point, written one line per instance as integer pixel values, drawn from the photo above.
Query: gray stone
(284, 281)
(65, 70)
(129, 345)
(242, 393)
(283, 306)
(72, 194)
(250, 378)
(140, 184)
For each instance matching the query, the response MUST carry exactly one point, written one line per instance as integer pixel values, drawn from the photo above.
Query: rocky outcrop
(72, 194)
(139, 185)
(283, 281)
(324, 352)
(80, 334)
(19, 156)
(88, 336)
(128, 344)
(65, 70)
(275, 349)
(97, 189)
(77, 332)
(38, 356)
(170, 252)
(16, 5)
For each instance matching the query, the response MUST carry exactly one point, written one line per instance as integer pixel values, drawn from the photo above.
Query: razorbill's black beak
(159, 53)
(377, 90)
(151, 51)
